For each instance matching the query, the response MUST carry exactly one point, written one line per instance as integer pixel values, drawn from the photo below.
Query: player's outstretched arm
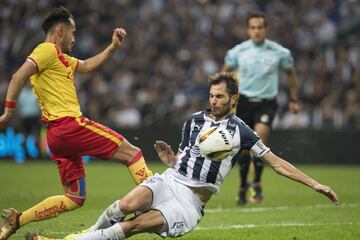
(16, 84)
(92, 63)
(166, 154)
(286, 169)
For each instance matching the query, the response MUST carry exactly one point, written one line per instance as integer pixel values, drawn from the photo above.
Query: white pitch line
(279, 208)
(259, 209)
(242, 226)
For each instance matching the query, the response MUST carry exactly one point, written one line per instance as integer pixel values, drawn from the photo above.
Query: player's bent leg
(139, 199)
(151, 222)
(132, 156)
(49, 208)
(53, 206)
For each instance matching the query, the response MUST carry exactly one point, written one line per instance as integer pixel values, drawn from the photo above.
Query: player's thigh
(139, 199)
(151, 221)
(71, 170)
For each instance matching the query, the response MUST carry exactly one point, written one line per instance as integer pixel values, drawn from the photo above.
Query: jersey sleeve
(43, 56)
(73, 62)
(286, 61)
(185, 135)
(231, 58)
(248, 137)
(250, 140)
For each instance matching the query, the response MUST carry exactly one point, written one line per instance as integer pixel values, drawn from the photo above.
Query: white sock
(114, 232)
(110, 216)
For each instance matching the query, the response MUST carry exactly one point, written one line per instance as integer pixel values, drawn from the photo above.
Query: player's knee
(79, 201)
(126, 152)
(126, 206)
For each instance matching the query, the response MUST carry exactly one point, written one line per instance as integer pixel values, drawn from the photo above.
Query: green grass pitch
(290, 211)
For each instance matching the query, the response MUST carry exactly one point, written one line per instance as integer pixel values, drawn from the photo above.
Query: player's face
(220, 101)
(69, 37)
(257, 30)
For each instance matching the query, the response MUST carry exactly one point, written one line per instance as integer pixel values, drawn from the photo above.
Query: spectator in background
(192, 34)
(29, 111)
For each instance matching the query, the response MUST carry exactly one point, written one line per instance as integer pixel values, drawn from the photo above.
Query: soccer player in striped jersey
(171, 204)
(69, 134)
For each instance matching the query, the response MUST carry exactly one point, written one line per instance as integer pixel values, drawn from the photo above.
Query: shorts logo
(178, 225)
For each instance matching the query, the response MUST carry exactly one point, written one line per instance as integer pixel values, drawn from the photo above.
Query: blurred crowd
(159, 75)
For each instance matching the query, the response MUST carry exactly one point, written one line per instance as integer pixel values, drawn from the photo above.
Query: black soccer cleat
(256, 193)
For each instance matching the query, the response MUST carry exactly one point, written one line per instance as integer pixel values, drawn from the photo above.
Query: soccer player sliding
(171, 204)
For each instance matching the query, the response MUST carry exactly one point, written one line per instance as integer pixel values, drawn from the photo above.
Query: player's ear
(233, 99)
(60, 30)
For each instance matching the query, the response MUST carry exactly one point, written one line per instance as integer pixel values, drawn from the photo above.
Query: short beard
(226, 111)
(65, 49)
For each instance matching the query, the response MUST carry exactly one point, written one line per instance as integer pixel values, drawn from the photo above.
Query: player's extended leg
(73, 198)
(151, 221)
(132, 156)
(107, 227)
(244, 163)
(139, 199)
(264, 131)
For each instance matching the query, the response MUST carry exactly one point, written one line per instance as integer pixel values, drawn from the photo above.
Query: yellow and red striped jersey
(53, 84)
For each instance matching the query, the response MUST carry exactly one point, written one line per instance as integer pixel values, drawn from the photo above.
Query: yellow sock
(138, 168)
(49, 208)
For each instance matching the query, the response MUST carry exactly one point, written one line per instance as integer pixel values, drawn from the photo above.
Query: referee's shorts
(254, 110)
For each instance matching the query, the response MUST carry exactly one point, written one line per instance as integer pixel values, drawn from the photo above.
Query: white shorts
(180, 207)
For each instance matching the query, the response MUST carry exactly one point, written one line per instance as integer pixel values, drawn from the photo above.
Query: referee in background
(258, 61)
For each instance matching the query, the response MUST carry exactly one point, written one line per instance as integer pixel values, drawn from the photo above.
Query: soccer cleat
(75, 235)
(256, 193)
(10, 223)
(242, 197)
(34, 236)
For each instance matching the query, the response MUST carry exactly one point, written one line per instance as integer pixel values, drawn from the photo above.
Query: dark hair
(256, 14)
(58, 15)
(232, 83)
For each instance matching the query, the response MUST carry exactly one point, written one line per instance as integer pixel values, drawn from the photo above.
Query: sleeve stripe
(77, 64)
(33, 62)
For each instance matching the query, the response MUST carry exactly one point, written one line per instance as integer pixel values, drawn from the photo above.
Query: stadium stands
(159, 75)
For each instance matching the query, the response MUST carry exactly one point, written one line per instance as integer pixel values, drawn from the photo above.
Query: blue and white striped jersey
(195, 169)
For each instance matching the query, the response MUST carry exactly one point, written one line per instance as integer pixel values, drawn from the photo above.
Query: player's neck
(217, 118)
(53, 39)
(258, 44)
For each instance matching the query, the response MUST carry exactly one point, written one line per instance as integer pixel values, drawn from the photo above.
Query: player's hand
(166, 154)
(117, 37)
(328, 192)
(294, 107)
(5, 118)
